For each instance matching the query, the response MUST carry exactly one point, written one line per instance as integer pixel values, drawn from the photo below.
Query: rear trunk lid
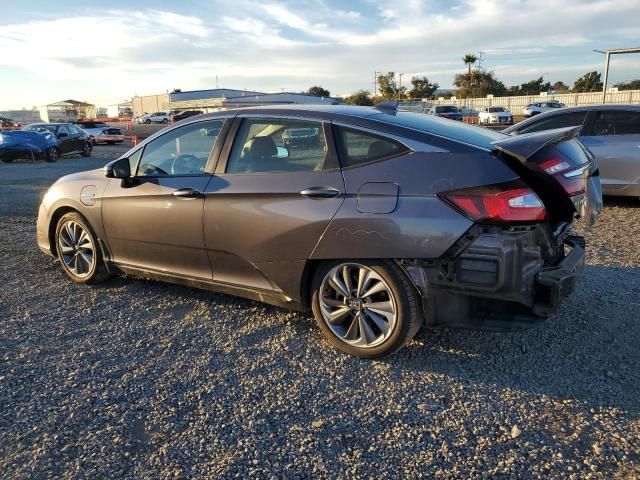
(559, 168)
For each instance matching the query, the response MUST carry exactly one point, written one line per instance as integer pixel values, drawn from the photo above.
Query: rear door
(268, 205)
(613, 136)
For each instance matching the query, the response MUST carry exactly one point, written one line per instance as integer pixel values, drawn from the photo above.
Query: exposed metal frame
(608, 53)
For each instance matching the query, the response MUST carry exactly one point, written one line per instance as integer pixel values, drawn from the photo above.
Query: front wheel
(51, 155)
(365, 308)
(86, 150)
(78, 250)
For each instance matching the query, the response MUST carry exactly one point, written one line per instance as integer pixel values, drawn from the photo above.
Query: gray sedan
(390, 220)
(611, 132)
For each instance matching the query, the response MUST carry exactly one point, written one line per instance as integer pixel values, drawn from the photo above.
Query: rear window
(616, 122)
(458, 131)
(556, 121)
(446, 109)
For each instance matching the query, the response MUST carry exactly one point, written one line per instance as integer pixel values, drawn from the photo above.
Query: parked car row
(44, 141)
(8, 124)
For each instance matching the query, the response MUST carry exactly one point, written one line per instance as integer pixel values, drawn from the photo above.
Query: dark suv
(73, 140)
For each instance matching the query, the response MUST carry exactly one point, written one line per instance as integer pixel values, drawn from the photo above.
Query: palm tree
(469, 59)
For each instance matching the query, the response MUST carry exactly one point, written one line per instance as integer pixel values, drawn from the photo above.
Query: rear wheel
(78, 250)
(147, 121)
(365, 308)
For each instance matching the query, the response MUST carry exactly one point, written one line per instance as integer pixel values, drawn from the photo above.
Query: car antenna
(390, 107)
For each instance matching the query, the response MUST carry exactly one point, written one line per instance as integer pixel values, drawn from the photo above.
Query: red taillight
(498, 203)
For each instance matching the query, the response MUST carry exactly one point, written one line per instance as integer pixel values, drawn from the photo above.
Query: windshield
(497, 109)
(43, 128)
(447, 109)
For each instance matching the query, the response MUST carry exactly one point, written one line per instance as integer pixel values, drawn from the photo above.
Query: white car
(92, 128)
(497, 115)
(157, 117)
(541, 107)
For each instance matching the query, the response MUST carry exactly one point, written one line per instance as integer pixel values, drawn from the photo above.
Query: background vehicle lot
(140, 378)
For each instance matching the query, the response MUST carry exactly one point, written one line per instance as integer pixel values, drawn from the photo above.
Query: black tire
(51, 155)
(86, 152)
(165, 120)
(408, 313)
(97, 272)
(147, 121)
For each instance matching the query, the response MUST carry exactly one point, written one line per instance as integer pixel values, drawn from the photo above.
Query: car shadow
(587, 351)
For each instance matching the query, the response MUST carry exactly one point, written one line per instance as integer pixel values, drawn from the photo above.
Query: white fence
(516, 104)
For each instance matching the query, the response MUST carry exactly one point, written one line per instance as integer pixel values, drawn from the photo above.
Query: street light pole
(400, 84)
(375, 82)
(608, 54)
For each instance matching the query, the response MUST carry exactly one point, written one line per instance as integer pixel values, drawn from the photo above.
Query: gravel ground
(139, 379)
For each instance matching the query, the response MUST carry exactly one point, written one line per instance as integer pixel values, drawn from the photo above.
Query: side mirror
(282, 153)
(63, 135)
(118, 169)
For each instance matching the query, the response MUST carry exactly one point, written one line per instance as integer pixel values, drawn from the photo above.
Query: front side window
(183, 151)
(278, 145)
(616, 122)
(362, 147)
(572, 119)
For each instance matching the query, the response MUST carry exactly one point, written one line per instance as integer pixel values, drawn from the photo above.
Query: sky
(105, 52)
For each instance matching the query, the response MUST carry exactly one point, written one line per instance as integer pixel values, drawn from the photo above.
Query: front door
(154, 220)
(613, 136)
(269, 204)
(67, 143)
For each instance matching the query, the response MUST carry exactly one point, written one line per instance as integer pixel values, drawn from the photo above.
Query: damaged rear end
(520, 259)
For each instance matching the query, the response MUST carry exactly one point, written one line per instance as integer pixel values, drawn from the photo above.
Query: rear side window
(615, 122)
(359, 147)
(572, 119)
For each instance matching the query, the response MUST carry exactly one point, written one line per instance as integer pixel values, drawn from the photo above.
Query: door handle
(186, 193)
(320, 192)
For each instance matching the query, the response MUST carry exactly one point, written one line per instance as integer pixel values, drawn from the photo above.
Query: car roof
(44, 124)
(368, 117)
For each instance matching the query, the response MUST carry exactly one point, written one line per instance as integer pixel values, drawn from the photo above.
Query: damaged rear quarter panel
(421, 225)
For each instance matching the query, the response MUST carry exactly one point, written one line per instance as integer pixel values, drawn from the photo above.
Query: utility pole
(375, 82)
(399, 84)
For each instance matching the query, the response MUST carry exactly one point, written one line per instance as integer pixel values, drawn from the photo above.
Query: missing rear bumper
(500, 280)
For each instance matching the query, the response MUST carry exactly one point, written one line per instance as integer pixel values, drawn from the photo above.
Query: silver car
(611, 132)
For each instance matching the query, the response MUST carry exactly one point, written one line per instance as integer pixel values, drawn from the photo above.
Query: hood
(86, 176)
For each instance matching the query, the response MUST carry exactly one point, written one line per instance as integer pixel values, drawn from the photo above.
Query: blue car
(31, 145)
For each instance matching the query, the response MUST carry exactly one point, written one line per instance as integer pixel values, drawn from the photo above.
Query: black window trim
(331, 162)
(342, 149)
(209, 165)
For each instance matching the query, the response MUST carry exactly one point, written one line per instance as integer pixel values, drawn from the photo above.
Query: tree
(513, 90)
(632, 85)
(318, 91)
(589, 82)
(480, 84)
(361, 97)
(389, 88)
(422, 88)
(534, 87)
(469, 60)
(560, 86)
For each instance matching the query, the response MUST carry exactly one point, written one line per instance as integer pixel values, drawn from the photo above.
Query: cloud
(111, 53)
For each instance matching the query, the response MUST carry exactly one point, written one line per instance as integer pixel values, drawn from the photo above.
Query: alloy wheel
(77, 249)
(358, 305)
